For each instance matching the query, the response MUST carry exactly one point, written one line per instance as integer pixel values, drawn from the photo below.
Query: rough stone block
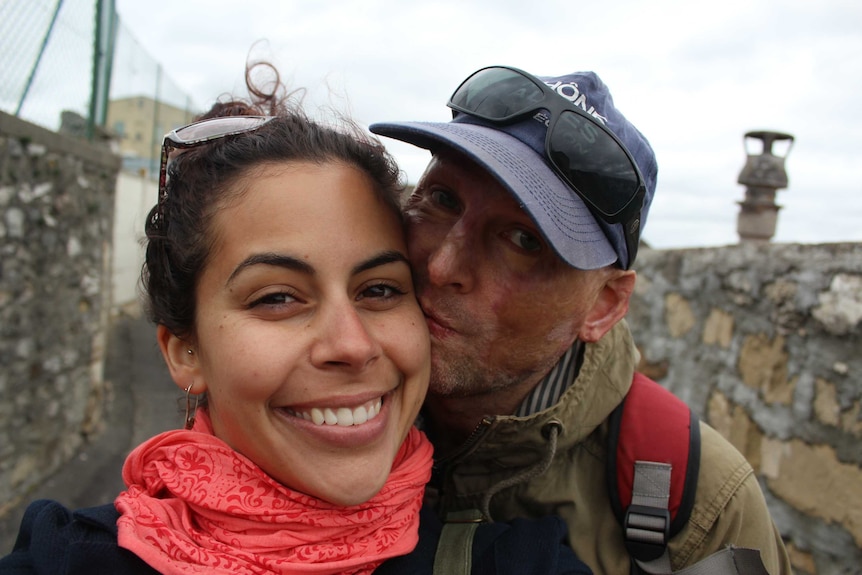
(812, 479)
(678, 314)
(840, 309)
(718, 329)
(763, 366)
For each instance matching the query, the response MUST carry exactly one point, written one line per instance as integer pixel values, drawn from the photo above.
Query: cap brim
(560, 214)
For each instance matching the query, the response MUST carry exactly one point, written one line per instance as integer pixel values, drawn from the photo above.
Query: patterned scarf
(194, 505)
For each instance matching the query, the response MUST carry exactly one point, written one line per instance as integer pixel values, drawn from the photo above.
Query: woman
(276, 274)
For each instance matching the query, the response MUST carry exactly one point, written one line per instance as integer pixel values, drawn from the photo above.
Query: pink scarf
(194, 505)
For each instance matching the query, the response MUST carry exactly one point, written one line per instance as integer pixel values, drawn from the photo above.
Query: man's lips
(437, 325)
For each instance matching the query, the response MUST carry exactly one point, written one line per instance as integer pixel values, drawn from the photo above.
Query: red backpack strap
(657, 432)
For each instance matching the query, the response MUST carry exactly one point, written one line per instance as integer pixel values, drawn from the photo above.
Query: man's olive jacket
(729, 507)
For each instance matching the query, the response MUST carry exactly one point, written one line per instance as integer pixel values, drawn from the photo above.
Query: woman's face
(309, 341)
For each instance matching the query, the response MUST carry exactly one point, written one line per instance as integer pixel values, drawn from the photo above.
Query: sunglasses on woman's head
(203, 132)
(583, 151)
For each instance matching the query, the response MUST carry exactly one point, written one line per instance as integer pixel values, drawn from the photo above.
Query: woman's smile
(343, 416)
(335, 427)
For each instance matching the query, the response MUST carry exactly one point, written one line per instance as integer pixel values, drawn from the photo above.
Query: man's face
(501, 306)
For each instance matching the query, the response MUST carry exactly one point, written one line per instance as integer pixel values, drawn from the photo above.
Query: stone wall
(765, 343)
(56, 218)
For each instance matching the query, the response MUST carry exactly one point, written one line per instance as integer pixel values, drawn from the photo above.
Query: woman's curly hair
(203, 180)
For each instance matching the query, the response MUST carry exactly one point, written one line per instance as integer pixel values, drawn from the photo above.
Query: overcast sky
(693, 76)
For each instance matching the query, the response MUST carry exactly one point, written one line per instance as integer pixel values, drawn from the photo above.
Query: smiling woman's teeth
(343, 416)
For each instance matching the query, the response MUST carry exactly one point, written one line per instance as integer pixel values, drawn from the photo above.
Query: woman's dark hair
(201, 181)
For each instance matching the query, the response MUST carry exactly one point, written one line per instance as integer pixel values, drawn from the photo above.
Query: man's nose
(451, 262)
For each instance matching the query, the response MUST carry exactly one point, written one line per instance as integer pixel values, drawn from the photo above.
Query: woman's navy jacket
(56, 541)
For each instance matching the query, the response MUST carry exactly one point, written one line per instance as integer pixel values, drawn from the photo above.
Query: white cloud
(693, 76)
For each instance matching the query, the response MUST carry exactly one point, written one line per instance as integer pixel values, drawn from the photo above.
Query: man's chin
(456, 383)
(443, 388)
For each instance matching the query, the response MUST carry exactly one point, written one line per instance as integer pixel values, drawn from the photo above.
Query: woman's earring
(190, 413)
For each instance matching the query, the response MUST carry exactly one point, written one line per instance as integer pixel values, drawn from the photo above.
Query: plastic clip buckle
(647, 530)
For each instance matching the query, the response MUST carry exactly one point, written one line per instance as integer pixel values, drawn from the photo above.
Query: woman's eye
(525, 240)
(381, 291)
(274, 299)
(444, 199)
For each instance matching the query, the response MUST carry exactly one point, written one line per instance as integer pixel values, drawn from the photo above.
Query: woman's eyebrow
(291, 263)
(381, 259)
(272, 259)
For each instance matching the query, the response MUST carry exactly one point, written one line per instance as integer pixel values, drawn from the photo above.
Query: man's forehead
(447, 162)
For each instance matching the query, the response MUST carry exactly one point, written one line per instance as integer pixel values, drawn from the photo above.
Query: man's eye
(444, 199)
(524, 240)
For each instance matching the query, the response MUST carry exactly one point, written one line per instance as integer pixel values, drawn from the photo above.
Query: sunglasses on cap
(203, 132)
(580, 148)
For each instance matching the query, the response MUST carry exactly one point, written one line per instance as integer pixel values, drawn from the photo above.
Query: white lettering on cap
(571, 92)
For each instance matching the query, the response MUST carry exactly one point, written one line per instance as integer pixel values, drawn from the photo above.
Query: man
(522, 233)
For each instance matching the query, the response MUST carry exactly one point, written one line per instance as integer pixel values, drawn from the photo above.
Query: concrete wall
(136, 194)
(765, 343)
(57, 204)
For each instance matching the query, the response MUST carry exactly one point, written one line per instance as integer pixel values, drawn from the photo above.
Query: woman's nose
(343, 339)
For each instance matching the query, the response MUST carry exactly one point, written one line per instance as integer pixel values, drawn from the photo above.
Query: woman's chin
(356, 493)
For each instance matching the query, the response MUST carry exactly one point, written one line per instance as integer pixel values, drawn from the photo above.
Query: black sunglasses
(200, 133)
(583, 151)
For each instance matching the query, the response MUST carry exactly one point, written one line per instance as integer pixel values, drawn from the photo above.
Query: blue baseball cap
(514, 154)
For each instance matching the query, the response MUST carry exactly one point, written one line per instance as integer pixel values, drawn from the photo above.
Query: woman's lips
(341, 424)
(344, 416)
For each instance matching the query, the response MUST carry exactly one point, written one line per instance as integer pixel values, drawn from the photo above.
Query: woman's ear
(610, 306)
(182, 361)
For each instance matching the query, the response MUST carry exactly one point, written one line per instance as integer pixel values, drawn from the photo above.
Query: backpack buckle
(465, 516)
(647, 530)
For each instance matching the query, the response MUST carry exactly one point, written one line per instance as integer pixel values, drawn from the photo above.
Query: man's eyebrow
(272, 259)
(381, 259)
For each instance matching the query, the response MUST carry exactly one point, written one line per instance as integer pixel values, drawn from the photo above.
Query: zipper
(474, 437)
(439, 475)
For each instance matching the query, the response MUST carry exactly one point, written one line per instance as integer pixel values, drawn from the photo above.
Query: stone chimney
(762, 176)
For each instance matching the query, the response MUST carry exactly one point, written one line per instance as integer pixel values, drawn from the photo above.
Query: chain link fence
(73, 66)
(145, 103)
(46, 58)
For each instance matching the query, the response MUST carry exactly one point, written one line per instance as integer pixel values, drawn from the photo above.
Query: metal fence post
(39, 57)
(103, 56)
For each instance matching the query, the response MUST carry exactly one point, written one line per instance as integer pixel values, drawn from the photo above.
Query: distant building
(139, 123)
